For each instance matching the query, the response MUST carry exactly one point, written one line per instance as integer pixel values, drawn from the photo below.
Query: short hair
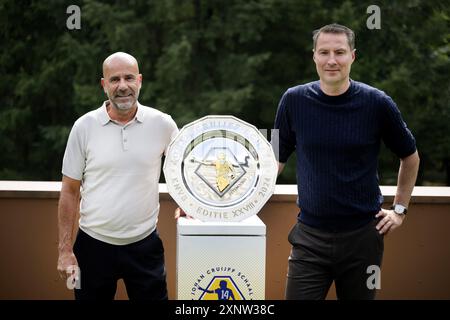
(337, 29)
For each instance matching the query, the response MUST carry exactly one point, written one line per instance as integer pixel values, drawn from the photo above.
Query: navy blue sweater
(337, 142)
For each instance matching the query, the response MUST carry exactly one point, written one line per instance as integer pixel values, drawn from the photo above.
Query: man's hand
(280, 167)
(389, 221)
(66, 264)
(180, 213)
(68, 208)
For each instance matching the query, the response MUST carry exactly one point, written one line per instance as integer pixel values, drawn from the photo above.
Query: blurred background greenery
(202, 57)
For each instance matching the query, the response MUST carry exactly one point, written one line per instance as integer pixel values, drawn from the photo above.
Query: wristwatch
(399, 209)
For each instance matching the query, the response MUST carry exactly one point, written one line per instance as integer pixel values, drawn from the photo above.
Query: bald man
(112, 162)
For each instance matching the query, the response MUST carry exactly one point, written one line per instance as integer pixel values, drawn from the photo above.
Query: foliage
(201, 57)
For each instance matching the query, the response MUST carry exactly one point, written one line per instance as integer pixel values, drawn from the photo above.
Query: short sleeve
(74, 161)
(172, 132)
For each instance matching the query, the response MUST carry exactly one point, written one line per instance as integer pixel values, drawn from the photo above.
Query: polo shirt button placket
(124, 139)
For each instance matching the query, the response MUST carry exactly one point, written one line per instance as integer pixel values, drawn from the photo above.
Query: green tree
(201, 57)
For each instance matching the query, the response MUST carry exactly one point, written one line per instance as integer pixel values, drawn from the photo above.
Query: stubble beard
(124, 106)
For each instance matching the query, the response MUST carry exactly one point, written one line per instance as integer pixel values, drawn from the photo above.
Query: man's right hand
(67, 264)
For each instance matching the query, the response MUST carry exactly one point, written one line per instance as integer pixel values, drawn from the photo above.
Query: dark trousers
(318, 258)
(139, 264)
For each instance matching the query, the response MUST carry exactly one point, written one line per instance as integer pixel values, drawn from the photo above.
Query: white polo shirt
(119, 168)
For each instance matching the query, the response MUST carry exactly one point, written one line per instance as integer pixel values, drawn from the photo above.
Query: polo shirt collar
(140, 112)
(104, 117)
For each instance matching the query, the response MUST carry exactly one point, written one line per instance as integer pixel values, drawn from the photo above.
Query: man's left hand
(389, 221)
(180, 213)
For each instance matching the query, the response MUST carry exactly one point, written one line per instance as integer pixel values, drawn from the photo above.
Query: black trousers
(318, 258)
(139, 264)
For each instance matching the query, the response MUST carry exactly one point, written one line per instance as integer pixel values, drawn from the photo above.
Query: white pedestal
(217, 256)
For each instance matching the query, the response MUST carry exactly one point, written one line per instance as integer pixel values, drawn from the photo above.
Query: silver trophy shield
(220, 168)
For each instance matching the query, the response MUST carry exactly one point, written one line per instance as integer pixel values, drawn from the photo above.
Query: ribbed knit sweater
(337, 142)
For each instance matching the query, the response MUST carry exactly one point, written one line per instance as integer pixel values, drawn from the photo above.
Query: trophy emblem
(220, 168)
